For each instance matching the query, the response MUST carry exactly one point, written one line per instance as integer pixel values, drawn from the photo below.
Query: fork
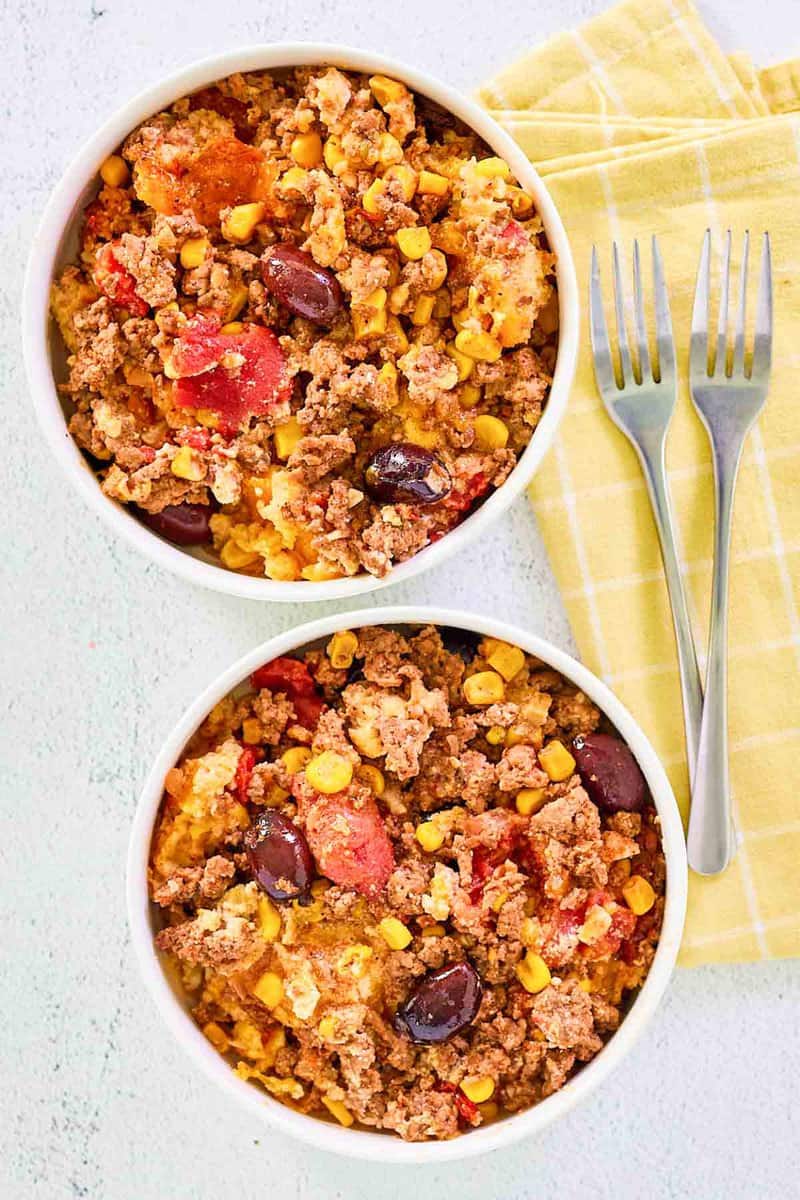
(728, 398)
(642, 408)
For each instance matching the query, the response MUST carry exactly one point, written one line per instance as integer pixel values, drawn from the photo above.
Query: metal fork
(642, 407)
(728, 398)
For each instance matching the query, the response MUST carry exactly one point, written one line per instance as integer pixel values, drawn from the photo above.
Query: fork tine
(622, 331)
(741, 317)
(698, 356)
(601, 348)
(721, 355)
(641, 326)
(664, 340)
(762, 349)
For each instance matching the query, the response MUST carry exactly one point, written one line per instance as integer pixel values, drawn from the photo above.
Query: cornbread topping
(411, 882)
(312, 323)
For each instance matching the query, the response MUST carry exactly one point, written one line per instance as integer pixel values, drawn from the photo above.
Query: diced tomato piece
(308, 710)
(199, 347)
(227, 106)
(117, 283)
(467, 1109)
(224, 173)
(244, 773)
(514, 234)
(287, 675)
(198, 439)
(252, 380)
(465, 493)
(293, 679)
(350, 843)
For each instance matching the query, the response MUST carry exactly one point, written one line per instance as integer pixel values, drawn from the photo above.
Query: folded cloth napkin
(640, 124)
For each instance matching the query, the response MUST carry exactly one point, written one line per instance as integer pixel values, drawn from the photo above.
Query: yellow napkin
(640, 125)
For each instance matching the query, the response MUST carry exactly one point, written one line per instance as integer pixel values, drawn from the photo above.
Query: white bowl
(356, 1143)
(55, 244)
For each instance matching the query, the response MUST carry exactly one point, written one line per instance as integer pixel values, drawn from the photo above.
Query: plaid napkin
(640, 124)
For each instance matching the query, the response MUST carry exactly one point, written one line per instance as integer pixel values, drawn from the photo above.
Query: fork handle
(710, 841)
(655, 473)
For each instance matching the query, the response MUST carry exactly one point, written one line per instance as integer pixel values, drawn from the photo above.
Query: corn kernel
(329, 772)
(490, 1111)
(269, 989)
(490, 432)
(596, 924)
(333, 155)
(296, 758)
(423, 310)
(413, 241)
(394, 933)
(293, 180)
(493, 168)
(372, 778)
(252, 732)
(407, 178)
(286, 438)
(508, 660)
(327, 1028)
(338, 1110)
(238, 299)
(448, 237)
(269, 919)
(386, 90)
(234, 558)
(441, 309)
(239, 224)
(369, 201)
(431, 184)
(478, 1090)
(481, 346)
(557, 761)
(530, 800)
(389, 149)
(465, 364)
(533, 972)
(429, 836)
(486, 687)
(233, 327)
(496, 735)
(461, 318)
(319, 887)
(306, 149)
(365, 324)
(639, 895)
(395, 330)
(435, 930)
(217, 1036)
(586, 985)
(521, 203)
(194, 252)
(114, 171)
(187, 464)
(341, 649)
(529, 931)
(469, 395)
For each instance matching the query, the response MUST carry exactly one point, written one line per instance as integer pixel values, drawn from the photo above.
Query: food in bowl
(311, 325)
(409, 880)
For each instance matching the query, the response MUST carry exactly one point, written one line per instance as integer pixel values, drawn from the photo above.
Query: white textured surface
(101, 652)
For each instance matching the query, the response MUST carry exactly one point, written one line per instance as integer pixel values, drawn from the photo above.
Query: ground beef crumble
(235, 414)
(443, 832)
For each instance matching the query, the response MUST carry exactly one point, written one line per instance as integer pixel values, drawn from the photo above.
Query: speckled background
(101, 652)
